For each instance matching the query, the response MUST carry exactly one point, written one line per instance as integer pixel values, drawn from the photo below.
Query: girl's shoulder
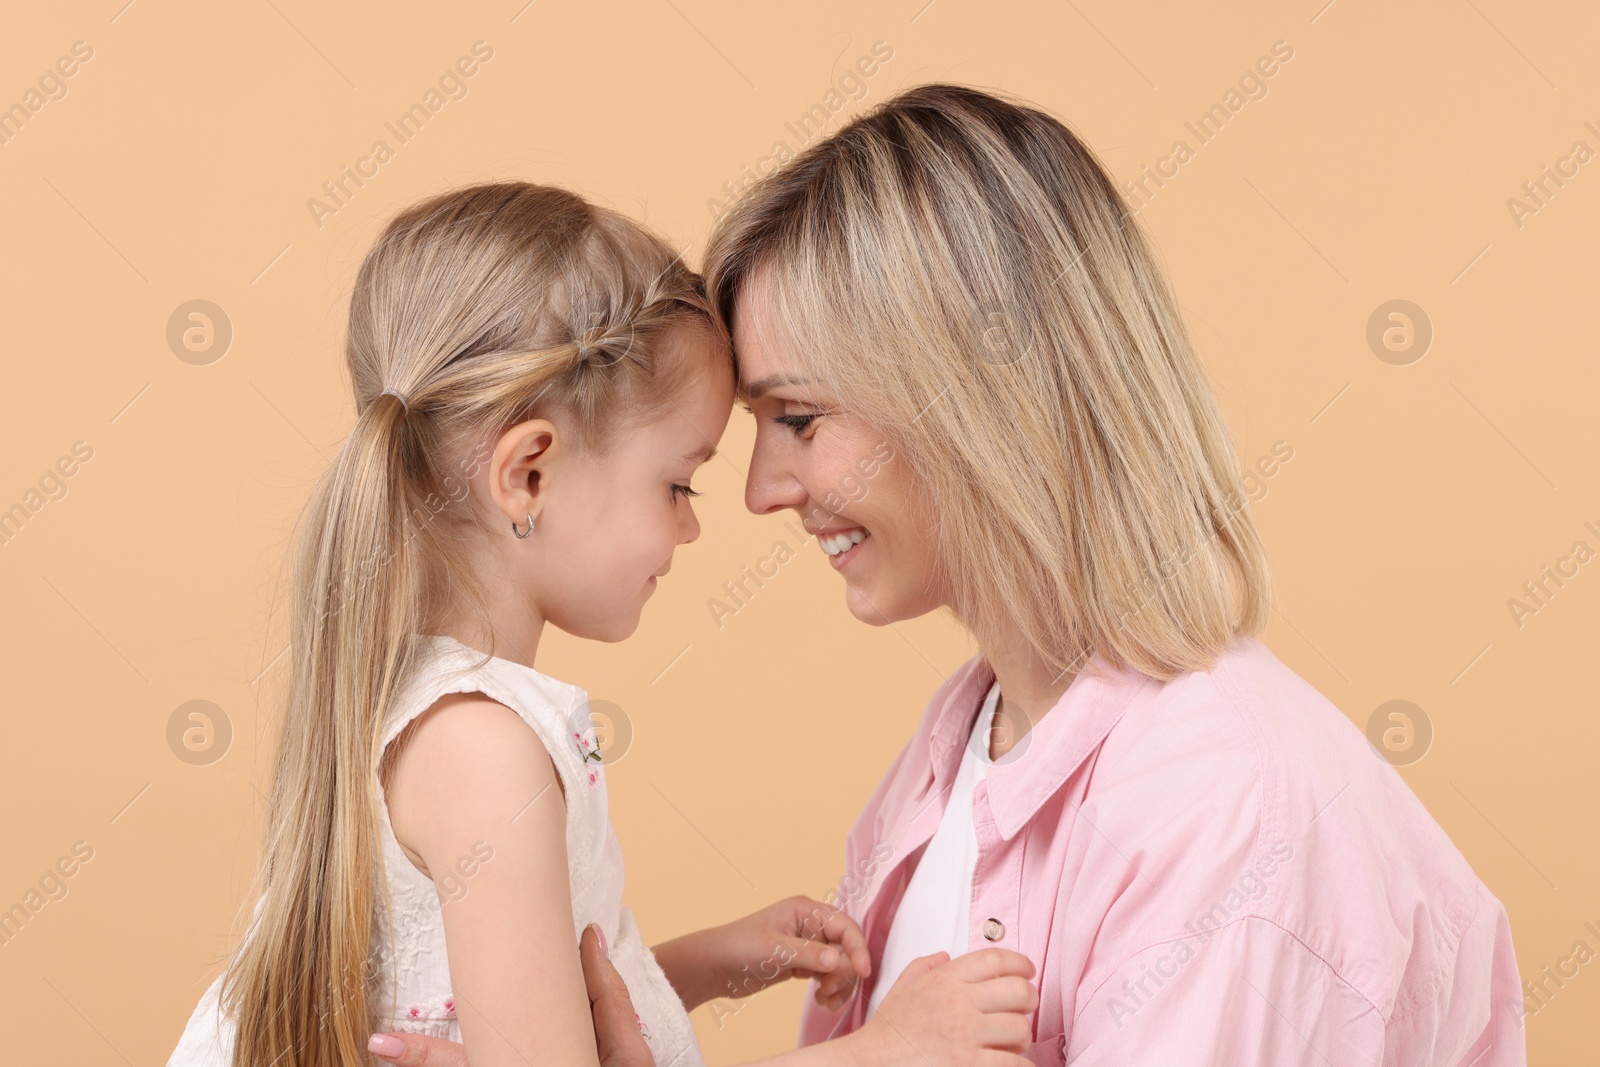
(443, 665)
(557, 711)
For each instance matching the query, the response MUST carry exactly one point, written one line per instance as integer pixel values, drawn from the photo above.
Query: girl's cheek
(666, 538)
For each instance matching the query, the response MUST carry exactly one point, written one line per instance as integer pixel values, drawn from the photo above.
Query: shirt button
(993, 929)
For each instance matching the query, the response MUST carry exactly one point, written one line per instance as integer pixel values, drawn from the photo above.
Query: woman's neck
(1029, 688)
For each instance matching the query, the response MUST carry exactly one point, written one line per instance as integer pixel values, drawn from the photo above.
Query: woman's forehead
(763, 330)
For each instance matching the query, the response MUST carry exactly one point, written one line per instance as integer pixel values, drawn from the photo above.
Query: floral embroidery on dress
(588, 751)
(447, 1006)
(643, 1029)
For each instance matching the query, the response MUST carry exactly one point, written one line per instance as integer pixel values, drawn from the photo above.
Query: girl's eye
(797, 423)
(682, 490)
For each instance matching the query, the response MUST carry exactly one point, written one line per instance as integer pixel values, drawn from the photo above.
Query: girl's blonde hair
(961, 272)
(475, 310)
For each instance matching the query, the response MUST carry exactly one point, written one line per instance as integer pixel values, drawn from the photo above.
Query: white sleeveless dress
(419, 1000)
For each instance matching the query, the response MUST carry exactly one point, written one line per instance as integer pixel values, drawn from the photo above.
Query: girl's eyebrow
(769, 383)
(701, 454)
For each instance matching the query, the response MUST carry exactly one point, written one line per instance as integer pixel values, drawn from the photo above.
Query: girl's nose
(689, 527)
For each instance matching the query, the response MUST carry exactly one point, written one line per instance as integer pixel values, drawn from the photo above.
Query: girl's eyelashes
(748, 409)
(682, 490)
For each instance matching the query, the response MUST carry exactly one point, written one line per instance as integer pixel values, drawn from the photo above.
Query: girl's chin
(609, 631)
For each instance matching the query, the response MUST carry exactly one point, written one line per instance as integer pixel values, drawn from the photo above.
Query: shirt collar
(1022, 780)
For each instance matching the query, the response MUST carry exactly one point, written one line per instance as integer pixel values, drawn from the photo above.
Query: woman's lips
(842, 546)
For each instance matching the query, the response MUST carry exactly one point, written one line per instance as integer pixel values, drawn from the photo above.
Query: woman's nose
(770, 486)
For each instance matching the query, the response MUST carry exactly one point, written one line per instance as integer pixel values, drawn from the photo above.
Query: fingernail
(828, 957)
(386, 1045)
(605, 949)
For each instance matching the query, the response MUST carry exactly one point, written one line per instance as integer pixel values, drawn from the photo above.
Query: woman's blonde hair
(962, 273)
(475, 310)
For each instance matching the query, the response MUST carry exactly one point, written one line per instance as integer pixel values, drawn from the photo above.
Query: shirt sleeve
(1250, 994)
(1245, 994)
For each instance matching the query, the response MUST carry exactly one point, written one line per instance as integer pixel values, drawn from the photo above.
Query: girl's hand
(954, 1013)
(794, 938)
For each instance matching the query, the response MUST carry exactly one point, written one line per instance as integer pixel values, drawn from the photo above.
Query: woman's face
(844, 478)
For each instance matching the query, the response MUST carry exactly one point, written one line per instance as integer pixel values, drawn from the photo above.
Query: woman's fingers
(987, 963)
(414, 1050)
(991, 1057)
(1005, 1030)
(998, 982)
(1010, 993)
(921, 964)
(616, 1027)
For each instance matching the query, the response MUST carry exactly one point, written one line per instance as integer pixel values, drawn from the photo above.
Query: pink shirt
(1215, 870)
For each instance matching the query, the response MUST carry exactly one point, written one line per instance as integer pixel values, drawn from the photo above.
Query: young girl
(537, 380)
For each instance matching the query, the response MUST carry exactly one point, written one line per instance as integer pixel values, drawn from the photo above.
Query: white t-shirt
(934, 912)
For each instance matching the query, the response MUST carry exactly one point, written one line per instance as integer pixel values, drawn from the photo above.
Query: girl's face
(843, 477)
(606, 524)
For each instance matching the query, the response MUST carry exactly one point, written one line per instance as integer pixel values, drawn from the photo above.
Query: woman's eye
(797, 423)
(682, 490)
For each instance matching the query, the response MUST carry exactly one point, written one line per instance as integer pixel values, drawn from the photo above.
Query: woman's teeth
(841, 542)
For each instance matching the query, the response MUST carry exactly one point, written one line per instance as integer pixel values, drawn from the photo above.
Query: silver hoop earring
(522, 533)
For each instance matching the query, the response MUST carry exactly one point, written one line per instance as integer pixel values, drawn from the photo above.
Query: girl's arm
(795, 938)
(472, 781)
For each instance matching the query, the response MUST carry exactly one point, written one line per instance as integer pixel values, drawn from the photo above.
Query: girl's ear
(520, 468)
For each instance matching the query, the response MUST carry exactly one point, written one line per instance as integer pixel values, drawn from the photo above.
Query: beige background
(178, 166)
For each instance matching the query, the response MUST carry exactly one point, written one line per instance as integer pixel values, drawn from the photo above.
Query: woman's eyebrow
(769, 383)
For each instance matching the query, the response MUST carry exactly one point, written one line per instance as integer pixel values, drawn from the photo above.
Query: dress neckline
(451, 645)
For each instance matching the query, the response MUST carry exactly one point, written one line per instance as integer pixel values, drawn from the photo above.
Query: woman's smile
(842, 545)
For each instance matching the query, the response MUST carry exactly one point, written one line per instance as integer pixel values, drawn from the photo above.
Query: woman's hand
(954, 1013)
(794, 938)
(616, 1031)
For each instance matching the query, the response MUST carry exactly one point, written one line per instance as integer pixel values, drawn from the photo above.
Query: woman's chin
(883, 607)
(867, 608)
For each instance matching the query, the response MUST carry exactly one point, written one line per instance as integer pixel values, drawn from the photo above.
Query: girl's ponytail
(298, 989)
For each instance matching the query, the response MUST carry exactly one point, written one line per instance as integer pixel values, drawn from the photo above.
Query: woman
(949, 302)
